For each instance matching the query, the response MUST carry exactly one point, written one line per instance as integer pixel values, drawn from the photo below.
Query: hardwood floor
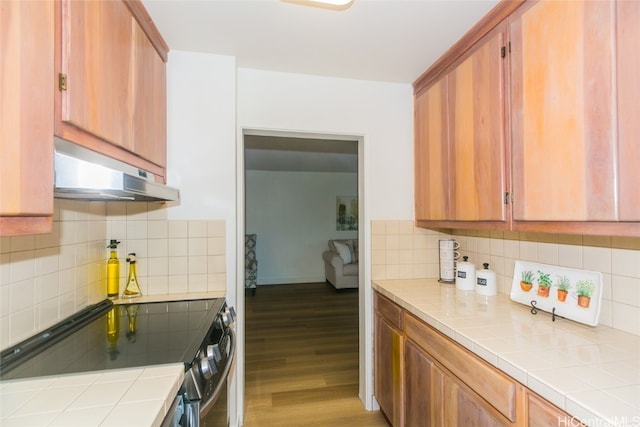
(302, 358)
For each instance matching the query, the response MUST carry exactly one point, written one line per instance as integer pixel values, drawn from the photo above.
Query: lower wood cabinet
(424, 379)
(463, 407)
(423, 388)
(389, 350)
(541, 413)
(462, 388)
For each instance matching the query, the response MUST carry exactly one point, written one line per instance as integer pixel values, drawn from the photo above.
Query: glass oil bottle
(113, 271)
(133, 288)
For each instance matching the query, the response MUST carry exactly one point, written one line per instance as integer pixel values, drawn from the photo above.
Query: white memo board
(580, 302)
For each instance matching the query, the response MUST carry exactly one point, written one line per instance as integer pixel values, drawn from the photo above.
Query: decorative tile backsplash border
(400, 250)
(45, 278)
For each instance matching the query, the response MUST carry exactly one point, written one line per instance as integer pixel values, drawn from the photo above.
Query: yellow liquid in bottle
(113, 276)
(133, 288)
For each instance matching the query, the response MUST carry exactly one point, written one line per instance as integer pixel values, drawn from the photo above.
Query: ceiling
(274, 153)
(380, 40)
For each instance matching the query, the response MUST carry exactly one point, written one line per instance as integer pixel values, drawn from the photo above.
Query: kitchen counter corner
(593, 373)
(138, 396)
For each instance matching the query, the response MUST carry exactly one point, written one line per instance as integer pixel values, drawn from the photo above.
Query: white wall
(211, 103)
(380, 116)
(381, 112)
(201, 110)
(293, 215)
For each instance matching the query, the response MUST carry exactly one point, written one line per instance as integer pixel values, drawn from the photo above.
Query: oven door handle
(204, 407)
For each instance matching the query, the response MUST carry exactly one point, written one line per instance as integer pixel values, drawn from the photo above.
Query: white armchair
(341, 263)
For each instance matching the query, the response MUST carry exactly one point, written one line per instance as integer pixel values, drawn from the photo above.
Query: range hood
(84, 174)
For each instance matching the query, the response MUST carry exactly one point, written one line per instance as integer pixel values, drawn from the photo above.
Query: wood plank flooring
(302, 358)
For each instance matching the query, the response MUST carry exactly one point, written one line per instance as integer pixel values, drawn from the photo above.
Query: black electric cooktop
(117, 336)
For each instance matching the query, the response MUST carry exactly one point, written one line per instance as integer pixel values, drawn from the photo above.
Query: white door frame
(365, 304)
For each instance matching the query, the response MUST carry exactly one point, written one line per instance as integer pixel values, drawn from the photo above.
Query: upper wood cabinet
(97, 50)
(150, 102)
(553, 133)
(628, 79)
(113, 59)
(26, 117)
(113, 99)
(477, 140)
(574, 116)
(459, 140)
(562, 98)
(432, 152)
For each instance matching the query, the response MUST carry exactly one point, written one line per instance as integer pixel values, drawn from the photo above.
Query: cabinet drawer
(495, 387)
(388, 310)
(544, 414)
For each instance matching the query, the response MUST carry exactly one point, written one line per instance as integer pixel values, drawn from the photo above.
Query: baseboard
(288, 280)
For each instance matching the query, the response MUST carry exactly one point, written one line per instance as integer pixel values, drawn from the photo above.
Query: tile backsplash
(399, 250)
(45, 278)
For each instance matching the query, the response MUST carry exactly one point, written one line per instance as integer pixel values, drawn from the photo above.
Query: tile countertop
(593, 373)
(122, 397)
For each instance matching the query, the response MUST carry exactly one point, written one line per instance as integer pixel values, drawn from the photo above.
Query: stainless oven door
(213, 409)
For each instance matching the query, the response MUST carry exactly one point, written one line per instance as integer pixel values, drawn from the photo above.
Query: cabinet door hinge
(509, 47)
(506, 198)
(503, 52)
(62, 82)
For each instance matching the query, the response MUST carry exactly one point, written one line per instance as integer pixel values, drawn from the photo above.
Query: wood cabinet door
(97, 55)
(150, 102)
(628, 78)
(463, 407)
(432, 153)
(388, 384)
(26, 119)
(423, 389)
(477, 126)
(562, 99)
(543, 414)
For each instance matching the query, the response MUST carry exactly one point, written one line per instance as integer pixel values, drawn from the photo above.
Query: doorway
(276, 149)
(292, 188)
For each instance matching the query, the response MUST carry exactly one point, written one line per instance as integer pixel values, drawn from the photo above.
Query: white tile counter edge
(119, 397)
(509, 337)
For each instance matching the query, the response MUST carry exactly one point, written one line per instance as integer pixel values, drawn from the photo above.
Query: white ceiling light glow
(326, 4)
(334, 2)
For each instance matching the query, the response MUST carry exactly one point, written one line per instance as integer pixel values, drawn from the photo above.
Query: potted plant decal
(563, 288)
(565, 292)
(526, 280)
(544, 284)
(585, 289)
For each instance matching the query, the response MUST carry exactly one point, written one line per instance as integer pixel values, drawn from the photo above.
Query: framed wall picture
(346, 213)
